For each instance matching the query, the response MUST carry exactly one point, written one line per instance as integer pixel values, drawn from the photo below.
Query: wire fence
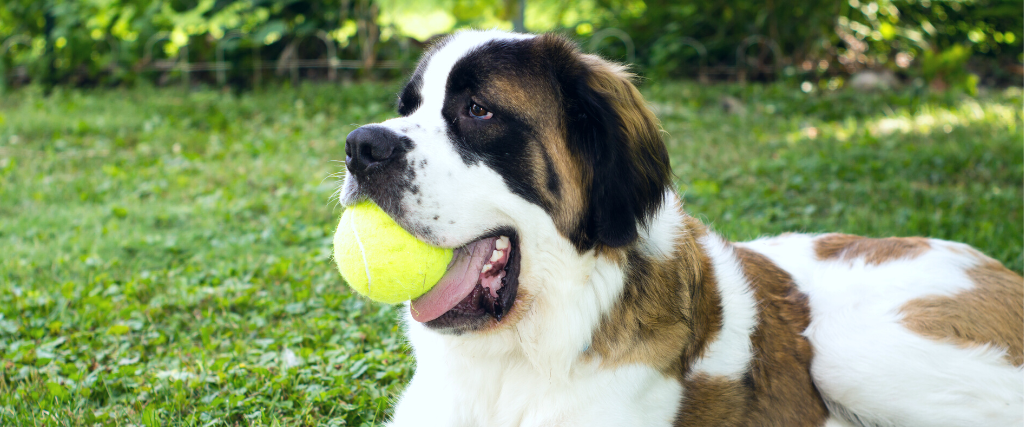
(756, 55)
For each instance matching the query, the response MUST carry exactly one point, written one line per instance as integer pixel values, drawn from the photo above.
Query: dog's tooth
(502, 243)
(487, 267)
(496, 255)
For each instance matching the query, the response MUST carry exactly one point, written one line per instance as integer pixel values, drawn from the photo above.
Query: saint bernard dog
(582, 294)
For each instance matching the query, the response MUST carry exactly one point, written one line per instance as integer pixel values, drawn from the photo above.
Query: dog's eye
(478, 112)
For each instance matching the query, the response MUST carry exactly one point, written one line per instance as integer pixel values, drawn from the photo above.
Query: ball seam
(366, 265)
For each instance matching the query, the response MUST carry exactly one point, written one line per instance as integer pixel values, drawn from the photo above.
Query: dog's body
(599, 302)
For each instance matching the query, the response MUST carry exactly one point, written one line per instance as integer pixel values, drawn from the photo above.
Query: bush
(100, 43)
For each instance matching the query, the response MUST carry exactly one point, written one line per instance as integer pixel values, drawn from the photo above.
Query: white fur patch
(514, 394)
(837, 422)
(441, 63)
(658, 239)
(731, 351)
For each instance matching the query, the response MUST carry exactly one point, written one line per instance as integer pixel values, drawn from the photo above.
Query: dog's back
(909, 331)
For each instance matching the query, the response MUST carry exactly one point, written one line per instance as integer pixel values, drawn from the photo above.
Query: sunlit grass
(166, 257)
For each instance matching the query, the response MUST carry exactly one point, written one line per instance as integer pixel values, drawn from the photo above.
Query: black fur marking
(502, 142)
(552, 176)
(630, 172)
(748, 380)
(638, 292)
(410, 99)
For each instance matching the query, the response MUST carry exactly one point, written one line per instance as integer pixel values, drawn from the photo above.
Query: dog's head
(523, 153)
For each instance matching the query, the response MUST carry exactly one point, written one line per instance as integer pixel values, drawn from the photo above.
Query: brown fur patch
(990, 313)
(783, 391)
(778, 389)
(667, 311)
(873, 251)
(714, 401)
(615, 83)
(568, 203)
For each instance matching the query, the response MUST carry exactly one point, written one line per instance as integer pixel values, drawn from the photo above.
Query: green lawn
(166, 257)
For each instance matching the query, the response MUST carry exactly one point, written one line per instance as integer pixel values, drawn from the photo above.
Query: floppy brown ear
(618, 139)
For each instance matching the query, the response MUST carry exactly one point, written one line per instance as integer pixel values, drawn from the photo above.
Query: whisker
(330, 176)
(336, 197)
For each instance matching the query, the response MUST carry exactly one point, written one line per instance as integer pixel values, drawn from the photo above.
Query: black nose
(372, 145)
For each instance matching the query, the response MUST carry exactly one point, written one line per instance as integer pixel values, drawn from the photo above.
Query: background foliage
(104, 41)
(830, 38)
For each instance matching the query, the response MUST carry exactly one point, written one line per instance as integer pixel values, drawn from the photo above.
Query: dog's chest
(498, 394)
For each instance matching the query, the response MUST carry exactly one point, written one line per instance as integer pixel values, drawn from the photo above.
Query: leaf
(118, 330)
(150, 417)
(56, 389)
(53, 344)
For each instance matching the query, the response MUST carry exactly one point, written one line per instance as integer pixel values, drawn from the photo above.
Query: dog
(582, 294)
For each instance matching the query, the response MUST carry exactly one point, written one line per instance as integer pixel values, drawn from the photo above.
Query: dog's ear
(618, 140)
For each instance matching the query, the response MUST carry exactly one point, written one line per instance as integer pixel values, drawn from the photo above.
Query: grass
(166, 257)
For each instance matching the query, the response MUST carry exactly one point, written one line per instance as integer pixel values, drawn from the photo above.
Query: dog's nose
(370, 146)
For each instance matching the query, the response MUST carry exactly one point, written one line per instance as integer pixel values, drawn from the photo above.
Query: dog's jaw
(546, 349)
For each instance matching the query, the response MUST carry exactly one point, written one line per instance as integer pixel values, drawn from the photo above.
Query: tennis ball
(381, 260)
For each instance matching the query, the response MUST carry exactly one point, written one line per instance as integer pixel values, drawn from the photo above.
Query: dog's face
(519, 151)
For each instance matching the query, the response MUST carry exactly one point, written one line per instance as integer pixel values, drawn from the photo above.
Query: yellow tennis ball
(381, 260)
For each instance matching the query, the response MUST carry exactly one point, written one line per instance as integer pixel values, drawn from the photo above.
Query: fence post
(741, 58)
(222, 66)
(185, 68)
(257, 65)
(596, 39)
(181, 61)
(10, 42)
(702, 52)
(115, 50)
(332, 55)
(147, 51)
(519, 20)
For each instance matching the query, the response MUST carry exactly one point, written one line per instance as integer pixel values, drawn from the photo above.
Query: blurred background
(169, 168)
(246, 43)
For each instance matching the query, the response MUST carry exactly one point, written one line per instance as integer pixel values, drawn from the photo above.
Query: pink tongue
(457, 283)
